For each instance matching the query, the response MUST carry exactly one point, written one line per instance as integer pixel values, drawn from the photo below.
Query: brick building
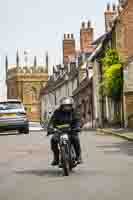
(84, 101)
(70, 53)
(123, 31)
(62, 83)
(25, 83)
(119, 24)
(70, 78)
(128, 94)
(83, 95)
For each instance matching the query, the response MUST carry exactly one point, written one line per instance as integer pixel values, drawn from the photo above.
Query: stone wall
(128, 94)
(25, 84)
(84, 103)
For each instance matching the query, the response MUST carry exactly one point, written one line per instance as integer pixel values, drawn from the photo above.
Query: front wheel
(72, 158)
(65, 160)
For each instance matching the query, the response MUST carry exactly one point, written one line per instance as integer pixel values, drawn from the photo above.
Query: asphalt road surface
(26, 174)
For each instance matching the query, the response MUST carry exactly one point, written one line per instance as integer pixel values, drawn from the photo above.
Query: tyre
(24, 131)
(72, 158)
(65, 160)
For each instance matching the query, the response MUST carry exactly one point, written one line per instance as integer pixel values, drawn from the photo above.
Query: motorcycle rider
(65, 114)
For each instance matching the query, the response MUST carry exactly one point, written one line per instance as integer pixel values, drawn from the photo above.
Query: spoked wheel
(65, 160)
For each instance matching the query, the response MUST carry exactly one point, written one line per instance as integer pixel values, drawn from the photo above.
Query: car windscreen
(10, 106)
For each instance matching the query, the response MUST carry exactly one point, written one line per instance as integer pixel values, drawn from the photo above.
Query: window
(10, 105)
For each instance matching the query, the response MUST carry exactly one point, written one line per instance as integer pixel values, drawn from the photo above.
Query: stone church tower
(25, 83)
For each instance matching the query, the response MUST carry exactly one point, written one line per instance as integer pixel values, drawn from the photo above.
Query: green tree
(112, 80)
(112, 75)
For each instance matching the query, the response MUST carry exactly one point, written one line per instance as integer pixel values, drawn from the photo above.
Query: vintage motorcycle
(67, 155)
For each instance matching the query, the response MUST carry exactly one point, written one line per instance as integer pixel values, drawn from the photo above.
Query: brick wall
(86, 37)
(125, 31)
(68, 47)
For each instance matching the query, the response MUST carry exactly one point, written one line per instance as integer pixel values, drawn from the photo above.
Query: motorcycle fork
(60, 153)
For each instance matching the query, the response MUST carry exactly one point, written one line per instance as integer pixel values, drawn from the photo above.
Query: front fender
(64, 139)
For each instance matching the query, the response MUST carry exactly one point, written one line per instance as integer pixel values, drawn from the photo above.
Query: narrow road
(25, 172)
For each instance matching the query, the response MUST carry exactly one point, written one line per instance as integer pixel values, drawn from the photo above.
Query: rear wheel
(65, 160)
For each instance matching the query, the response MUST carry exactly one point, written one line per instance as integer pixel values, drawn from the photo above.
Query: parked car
(13, 117)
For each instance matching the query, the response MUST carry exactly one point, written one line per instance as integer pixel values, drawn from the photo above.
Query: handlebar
(54, 130)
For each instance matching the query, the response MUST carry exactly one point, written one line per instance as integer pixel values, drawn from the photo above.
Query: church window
(34, 94)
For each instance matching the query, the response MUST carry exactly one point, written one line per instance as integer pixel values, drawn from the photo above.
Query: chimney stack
(86, 37)
(122, 3)
(109, 14)
(68, 47)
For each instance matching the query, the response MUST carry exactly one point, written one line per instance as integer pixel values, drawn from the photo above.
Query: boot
(79, 160)
(55, 160)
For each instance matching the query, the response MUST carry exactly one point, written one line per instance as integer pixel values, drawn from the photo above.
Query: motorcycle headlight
(64, 137)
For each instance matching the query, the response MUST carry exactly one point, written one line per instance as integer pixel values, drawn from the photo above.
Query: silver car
(13, 117)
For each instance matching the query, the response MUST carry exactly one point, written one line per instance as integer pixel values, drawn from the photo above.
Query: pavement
(119, 132)
(35, 126)
(88, 127)
(26, 174)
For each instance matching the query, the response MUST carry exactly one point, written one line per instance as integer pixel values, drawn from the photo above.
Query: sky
(38, 26)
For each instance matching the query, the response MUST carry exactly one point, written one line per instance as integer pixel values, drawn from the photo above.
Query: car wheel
(24, 131)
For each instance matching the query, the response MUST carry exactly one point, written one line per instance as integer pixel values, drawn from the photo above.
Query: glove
(50, 131)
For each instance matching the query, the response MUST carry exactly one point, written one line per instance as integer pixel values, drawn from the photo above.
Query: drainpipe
(123, 123)
(92, 105)
(55, 98)
(101, 99)
(54, 93)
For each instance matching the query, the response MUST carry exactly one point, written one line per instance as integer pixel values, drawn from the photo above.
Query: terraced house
(118, 35)
(122, 31)
(67, 78)
(63, 82)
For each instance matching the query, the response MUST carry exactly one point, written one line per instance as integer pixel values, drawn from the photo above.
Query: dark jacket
(61, 117)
